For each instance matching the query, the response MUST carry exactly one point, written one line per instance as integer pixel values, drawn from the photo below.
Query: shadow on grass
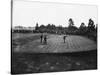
(24, 63)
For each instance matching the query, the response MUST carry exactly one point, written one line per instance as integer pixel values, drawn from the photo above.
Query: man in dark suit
(64, 38)
(41, 37)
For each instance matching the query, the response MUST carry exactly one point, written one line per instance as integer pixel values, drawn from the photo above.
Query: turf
(52, 62)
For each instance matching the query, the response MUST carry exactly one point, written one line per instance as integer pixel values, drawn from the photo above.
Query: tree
(71, 28)
(82, 26)
(42, 26)
(91, 26)
(48, 26)
(60, 27)
(36, 28)
(71, 22)
(82, 29)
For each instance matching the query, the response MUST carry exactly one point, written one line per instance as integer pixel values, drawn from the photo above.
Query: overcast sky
(28, 13)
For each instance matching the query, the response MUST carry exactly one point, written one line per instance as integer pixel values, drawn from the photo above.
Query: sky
(28, 13)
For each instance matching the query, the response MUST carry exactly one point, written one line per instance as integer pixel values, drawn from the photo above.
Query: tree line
(71, 29)
(90, 30)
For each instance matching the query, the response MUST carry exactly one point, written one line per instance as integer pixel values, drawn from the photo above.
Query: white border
(5, 24)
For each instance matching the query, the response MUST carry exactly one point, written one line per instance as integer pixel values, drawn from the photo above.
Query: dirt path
(55, 44)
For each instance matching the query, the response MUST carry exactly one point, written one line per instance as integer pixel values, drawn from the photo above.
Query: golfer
(41, 38)
(64, 38)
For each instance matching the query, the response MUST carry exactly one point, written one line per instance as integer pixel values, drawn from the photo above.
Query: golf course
(29, 55)
(55, 44)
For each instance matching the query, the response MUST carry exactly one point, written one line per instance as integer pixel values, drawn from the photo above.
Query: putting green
(55, 44)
